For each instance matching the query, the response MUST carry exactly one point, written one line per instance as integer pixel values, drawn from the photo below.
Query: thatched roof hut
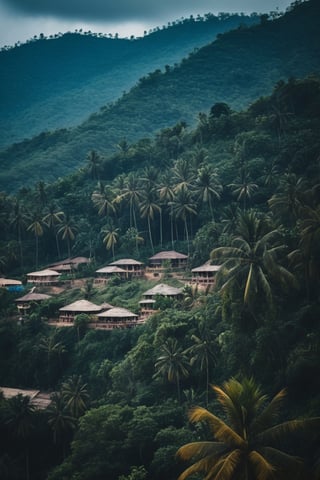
(134, 268)
(205, 274)
(69, 264)
(175, 259)
(164, 290)
(69, 312)
(81, 306)
(116, 317)
(110, 271)
(24, 303)
(33, 297)
(43, 277)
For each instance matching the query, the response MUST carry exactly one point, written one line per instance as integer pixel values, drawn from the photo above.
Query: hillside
(240, 189)
(238, 67)
(58, 82)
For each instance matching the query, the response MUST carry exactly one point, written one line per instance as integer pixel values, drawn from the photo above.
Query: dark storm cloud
(126, 10)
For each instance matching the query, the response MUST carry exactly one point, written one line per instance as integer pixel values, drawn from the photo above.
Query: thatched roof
(106, 306)
(33, 297)
(6, 282)
(111, 269)
(44, 273)
(148, 301)
(207, 268)
(81, 306)
(38, 399)
(71, 261)
(126, 261)
(63, 267)
(168, 255)
(117, 312)
(163, 289)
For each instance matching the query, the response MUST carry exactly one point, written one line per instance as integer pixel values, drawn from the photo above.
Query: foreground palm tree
(248, 445)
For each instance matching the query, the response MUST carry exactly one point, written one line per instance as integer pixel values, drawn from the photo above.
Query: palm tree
(243, 188)
(67, 231)
(19, 416)
(203, 354)
(75, 394)
(94, 164)
(150, 176)
(248, 445)
(104, 200)
(251, 262)
(132, 194)
(288, 201)
(172, 363)
(19, 222)
(166, 195)
(230, 217)
(206, 187)
(37, 229)
(54, 350)
(52, 219)
(183, 175)
(148, 208)
(132, 239)
(307, 256)
(110, 237)
(183, 207)
(41, 194)
(59, 419)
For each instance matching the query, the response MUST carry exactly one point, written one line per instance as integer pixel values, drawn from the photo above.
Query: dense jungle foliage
(237, 68)
(242, 189)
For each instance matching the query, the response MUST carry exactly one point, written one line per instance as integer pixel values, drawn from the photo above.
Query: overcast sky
(22, 19)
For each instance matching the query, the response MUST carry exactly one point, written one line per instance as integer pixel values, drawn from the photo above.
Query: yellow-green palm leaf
(220, 430)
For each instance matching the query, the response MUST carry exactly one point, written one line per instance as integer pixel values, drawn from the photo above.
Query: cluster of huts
(106, 316)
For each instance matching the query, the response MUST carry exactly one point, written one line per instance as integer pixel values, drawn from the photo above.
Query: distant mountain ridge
(238, 68)
(54, 83)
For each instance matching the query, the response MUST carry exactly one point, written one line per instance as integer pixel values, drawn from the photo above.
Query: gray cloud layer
(128, 10)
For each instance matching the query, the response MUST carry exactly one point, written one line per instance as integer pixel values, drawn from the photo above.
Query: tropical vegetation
(239, 189)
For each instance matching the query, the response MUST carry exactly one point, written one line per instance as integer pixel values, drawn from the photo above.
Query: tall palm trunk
(150, 235)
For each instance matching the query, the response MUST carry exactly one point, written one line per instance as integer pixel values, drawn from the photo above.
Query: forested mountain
(57, 82)
(240, 189)
(236, 68)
